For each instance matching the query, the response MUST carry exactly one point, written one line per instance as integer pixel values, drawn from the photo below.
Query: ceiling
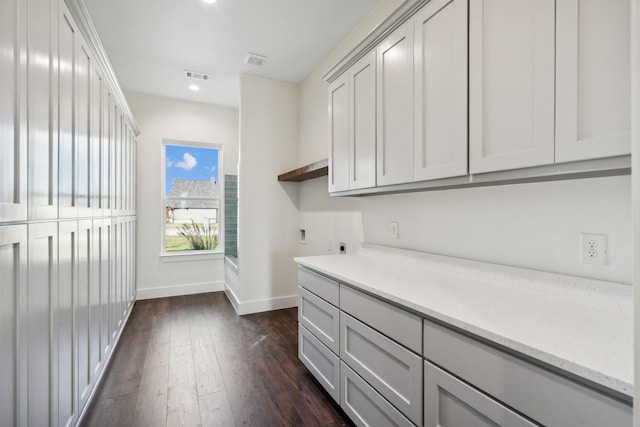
(151, 42)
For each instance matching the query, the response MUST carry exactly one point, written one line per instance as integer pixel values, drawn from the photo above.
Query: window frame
(177, 256)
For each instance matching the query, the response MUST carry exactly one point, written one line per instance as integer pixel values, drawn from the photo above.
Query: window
(191, 198)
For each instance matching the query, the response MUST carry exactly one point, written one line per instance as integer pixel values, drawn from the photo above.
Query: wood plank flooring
(191, 361)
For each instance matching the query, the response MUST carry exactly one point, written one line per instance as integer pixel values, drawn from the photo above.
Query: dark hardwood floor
(191, 361)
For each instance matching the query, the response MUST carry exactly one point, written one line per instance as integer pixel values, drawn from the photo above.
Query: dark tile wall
(231, 215)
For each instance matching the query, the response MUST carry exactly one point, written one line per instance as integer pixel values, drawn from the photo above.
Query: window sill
(191, 256)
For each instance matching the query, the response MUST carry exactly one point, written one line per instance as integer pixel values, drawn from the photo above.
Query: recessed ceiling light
(194, 88)
(209, 1)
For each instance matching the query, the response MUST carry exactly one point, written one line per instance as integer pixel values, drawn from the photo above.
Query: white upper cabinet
(394, 58)
(352, 115)
(511, 84)
(440, 95)
(362, 138)
(593, 79)
(339, 147)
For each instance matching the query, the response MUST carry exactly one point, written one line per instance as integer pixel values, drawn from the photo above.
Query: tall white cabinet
(67, 226)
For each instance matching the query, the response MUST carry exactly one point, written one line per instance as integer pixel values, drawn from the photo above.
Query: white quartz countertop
(581, 326)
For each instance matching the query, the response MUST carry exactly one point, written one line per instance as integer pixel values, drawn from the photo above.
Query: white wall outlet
(302, 236)
(393, 229)
(593, 249)
(330, 245)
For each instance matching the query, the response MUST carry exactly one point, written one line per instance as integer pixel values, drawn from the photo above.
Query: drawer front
(392, 321)
(320, 318)
(321, 362)
(320, 285)
(364, 405)
(539, 394)
(450, 402)
(394, 371)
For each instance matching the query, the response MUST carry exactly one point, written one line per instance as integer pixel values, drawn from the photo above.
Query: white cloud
(170, 163)
(188, 162)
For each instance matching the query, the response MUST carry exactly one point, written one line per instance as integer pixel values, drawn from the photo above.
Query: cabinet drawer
(392, 321)
(539, 394)
(394, 371)
(320, 318)
(364, 405)
(323, 364)
(450, 402)
(320, 285)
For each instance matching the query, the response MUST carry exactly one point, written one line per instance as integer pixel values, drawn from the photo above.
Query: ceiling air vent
(196, 75)
(255, 59)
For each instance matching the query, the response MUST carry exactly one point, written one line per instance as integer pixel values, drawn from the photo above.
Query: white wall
(161, 118)
(267, 213)
(527, 225)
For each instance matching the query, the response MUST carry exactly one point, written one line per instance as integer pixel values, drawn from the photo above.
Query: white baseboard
(258, 306)
(185, 289)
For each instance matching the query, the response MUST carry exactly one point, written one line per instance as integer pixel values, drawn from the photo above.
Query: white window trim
(191, 255)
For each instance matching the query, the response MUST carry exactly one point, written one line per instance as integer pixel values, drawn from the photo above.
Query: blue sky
(190, 163)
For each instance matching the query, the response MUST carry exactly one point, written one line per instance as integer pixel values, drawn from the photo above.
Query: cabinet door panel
(511, 79)
(362, 145)
(13, 281)
(339, 147)
(106, 173)
(82, 114)
(13, 146)
(320, 318)
(441, 90)
(35, 316)
(593, 79)
(42, 111)
(394, 371)
(395, 107)
(84, 327)
(65, 299)
(106, 298)
(326, 288)
(67, 136)
(364, 405)
(95, 144)
(95, 298)
(450, 402)
(323, 364)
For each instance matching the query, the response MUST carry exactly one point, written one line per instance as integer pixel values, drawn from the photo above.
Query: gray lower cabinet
(364, 405)
(394, 371)
(451, 402)
(319, 317)
(548, 398)
(322, 362)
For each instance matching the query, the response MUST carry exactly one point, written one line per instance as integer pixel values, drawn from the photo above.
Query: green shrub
(198, 238)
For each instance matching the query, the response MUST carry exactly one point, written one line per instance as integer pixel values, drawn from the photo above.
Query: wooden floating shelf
(314, 170)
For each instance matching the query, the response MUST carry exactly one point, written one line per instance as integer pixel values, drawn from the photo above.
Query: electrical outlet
(342, 247)
(330, 245)
(593, 249)
(393, 229)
